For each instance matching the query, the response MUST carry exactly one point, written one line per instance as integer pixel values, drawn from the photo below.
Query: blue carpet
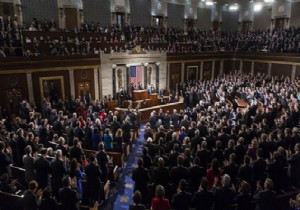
(122, 197)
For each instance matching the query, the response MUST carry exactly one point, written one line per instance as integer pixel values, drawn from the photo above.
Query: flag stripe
(136, 73)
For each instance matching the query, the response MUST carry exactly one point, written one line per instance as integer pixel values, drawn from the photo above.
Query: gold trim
(61, 78)
(48, 69)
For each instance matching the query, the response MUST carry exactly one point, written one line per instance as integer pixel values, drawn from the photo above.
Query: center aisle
(122, 197)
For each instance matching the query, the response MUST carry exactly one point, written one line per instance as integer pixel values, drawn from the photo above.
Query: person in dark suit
(43, 133)
(265, 198)
(179, 172)
(67, 196)
(5, 160)
(48, 203)
(259, 167)
(126, 127)
(59, 170)
(31, 198)
(244, 197)
(175, 119)
(43, 169)
(295, 166)
(246, 171)
(102, 159)
(196, 172)
(182, 199)
(141, 177)
(20, 145)
(231, 168)
(224, 195)
(28, 162)
(93, 178)
(137, 199)
(161, 174)
(240, 151)
(76, 151)
(203, 199)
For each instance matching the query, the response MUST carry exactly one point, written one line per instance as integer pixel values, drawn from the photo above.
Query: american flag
(136, 73)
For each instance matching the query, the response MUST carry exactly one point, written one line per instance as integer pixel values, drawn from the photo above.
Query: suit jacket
(69, 199)
(77, 153)
(178, 173)
(161, 176)
(28, 163)
(266, 200)
(195, 175)
(30, 201)
(93, 176)
(224, 198)
(181, 201)
(203, 200)
(58, 172)
(141, 177)
(43, 170)
(5, 161)
(259, 168)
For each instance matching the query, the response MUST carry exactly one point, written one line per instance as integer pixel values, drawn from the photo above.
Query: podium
(140, 95)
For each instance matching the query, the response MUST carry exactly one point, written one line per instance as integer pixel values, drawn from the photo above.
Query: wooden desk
(241, 103)
(140, 95)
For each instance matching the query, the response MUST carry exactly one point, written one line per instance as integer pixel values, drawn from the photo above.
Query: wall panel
(140, 12)
(42, 10)
(175, 15)
(204, 23)
(97, 11)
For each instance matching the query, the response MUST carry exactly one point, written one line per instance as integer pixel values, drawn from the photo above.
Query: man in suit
(182, 199)
(266, 198)
(5, 160)
(93, 178)
(102, 159)
(224, 195)
(68, 197)
(259, 167)
(43, 169)
(231, 168)
(76, 151)
(203, 199)
(58, 167)
(43, 132)
(295, 166)
(161, 174)
(28, 162)
(196, 173)
(140, 176)
(31, 200)
(179, 172)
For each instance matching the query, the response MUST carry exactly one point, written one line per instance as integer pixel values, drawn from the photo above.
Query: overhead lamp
(209, 3)
(233, 7)
(269, 1)
(257, 7)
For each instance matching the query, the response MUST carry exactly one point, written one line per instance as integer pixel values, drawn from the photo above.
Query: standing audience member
(182, 199)
(43, 169)
(68, 196)
(159, 202)
(32, 197)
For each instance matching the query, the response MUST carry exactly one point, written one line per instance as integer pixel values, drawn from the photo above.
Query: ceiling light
(209, 3)
(233, 7)
(269, 1)
(257, 7)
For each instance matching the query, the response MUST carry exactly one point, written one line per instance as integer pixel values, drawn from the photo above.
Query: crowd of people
(212, 154)
(224, 156)
(122, 39)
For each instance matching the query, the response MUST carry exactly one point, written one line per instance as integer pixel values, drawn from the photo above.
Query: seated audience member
(224, 195)
(32, 197)
(68, 196)
(182, 199)
(203, 199)
(137, 199)
(159, 202)
(265, 198)
(48, 203)
(244, 198)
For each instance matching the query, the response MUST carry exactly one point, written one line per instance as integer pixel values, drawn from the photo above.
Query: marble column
(252, 67)
(221, 67)
(145, 75)
(128, 77)
(213, 70)
(157, 77)
(294, 68)
(30, 87)
(100, 83)
(201, 70)
(96, 83)
(168, 76)
(269, 69)
(72, 83)
(241, 66)
(182, 73)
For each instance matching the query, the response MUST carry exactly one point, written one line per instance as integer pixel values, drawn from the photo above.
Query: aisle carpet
(122, 195)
